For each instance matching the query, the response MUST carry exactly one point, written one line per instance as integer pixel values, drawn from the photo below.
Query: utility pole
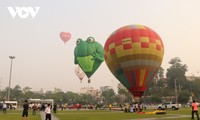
(176, 96)
(11, 57)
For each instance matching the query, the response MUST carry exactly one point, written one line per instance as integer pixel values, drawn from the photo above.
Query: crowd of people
(135, 107)
(46, 107)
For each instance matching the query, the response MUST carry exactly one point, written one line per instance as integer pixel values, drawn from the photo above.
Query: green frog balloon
(89, 55)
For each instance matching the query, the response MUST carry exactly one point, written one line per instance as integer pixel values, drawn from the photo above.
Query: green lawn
(182, 114)
(16, 115)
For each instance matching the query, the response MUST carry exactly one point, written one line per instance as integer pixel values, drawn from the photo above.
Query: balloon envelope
(79, 72)
(88, 55)
(65, 36)
(133, 54)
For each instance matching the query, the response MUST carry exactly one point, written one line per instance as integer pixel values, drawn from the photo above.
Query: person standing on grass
(48, 112)
(34, 109)
(25, 110)
(195, 109)
(4, 107)
(110, 107)
(54, 108)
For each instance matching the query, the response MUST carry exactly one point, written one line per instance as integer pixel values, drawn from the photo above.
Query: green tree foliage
(156, 99)
(124, 96)
(184, 96)
(86, 99)
(108, 96)
(16, 92)
(160, 73)
(194, 86)
(176, 72)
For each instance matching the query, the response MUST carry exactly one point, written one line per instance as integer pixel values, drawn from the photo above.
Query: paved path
(42, 114)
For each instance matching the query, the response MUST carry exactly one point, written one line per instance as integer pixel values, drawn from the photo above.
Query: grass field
(181, 114)
(16, 115)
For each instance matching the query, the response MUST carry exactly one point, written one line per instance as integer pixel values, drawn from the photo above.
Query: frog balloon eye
(78, 41)
(90, 39)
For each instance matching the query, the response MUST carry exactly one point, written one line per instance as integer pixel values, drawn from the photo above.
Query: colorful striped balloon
(133, 54)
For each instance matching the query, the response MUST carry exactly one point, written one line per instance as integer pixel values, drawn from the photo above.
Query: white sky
(44, 61)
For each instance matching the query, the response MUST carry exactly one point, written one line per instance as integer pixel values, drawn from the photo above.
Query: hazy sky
(44, 61)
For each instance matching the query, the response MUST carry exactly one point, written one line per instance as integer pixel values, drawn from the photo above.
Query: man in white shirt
(48, 112)
(4, 107)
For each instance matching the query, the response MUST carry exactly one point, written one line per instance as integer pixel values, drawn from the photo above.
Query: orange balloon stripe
(137, 74)
(146, 77)
(150, 77)
(133, 81)
(113, 66)
(130, 78)
(142, 76)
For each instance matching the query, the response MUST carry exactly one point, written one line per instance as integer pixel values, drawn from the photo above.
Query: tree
(3, 94)
(156, 99)
(124, 95)
(57, 90)
(160, 73)
(176, 72)
(157, 83)
(176, 75)
(26, 89)
(195, 91)
(72, 98)
(108, 95)
(184, 96)
(48, 94)
(16, 93)
(28, 95)
(86, 99)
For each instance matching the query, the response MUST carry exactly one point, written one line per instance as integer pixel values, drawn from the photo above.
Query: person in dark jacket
(25, 110)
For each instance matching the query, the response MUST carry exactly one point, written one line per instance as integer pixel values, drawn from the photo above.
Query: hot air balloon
(134, 54)
(88, 55)
(65, 36)
(79, 73)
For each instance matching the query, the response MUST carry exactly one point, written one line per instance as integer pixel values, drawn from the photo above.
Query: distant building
(41, 91)
(89, 90)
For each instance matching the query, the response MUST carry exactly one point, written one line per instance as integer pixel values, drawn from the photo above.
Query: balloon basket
(137, 99)
(89, 81)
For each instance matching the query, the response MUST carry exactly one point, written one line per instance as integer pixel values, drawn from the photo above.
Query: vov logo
(23, 12)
